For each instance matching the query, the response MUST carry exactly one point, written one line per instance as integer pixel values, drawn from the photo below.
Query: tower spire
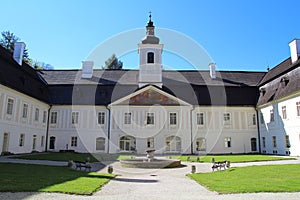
(150, 23)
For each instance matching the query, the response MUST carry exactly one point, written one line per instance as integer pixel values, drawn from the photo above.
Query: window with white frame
(227, 141)
(53, 117)
(21, 139)
(262, 120)
(44, 116)
(283, 110)
(36, 114)
(272, 115)
(287, 141)
(74, 141)
(253, 119)
(101, 117)
(226, 117)
(298, 108)
(173, 118)
(200, 119)
(201, 144)
(150, 119)
(127, 118)
(25, 110)
(150, 142)
(75, 117)
(100, 144)
(274, 141)
(10, 106)
(42, 140)
(264, 142)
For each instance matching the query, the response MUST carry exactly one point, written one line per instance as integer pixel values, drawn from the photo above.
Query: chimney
(18, 52)
(295, 49)
(87, 69)
(212, 68)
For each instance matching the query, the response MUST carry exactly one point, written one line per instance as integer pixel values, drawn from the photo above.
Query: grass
(73, 156)
(268, 178)
(40, 178)
(234, 158)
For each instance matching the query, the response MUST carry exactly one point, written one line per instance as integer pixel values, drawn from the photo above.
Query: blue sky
(237, 34)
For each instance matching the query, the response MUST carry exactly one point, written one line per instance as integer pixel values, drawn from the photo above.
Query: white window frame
(228, 142)
(101, 118)
(272, 117)
(10, 106)
(274, 141)
(150, 142)
(100, 142)
(254, 119)
(53, 117)
(284, 113)
(36, 114)
(42, 140)
(25, 111)
(264, 142)
(262, 119)
(173, 118)
(44, 116)
(75, 117)
(200, 119)
(227, 118)
(21, 140)
(150, 118)
(127, 118)
(74, 141)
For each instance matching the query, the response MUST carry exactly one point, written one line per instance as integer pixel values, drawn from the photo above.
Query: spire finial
(150, 16)
(150, 23)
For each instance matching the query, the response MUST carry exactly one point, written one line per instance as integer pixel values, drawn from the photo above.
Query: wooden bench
(84, 165)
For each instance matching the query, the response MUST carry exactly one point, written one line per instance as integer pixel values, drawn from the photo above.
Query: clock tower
(150, 51)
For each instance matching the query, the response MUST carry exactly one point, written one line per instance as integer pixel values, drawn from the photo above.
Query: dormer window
(284, 81)
(150, 57)
(262, 91)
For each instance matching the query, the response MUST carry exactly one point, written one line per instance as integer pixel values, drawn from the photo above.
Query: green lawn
(234, 158)
(41, 178)
(73, 156)
(268, 178)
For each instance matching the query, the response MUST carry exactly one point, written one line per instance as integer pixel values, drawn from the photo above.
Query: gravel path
(159, 184)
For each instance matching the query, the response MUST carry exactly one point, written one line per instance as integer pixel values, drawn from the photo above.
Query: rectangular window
(264, 142)
(271, 115)
(101, 117)
(127, 118)
(100, 144)
(254, 119)
(10, 106)
(274, 141)
(200, 119)
(150, 118)
(21, 139)
(283, 109)
(173, 118)
(36, 115)
(75, 117)
(25, 110)
(287, 141)
(42, 140)
(226, 118)
(74, 141)
(44, 116)
(150, 142)
(262, 120)
(227, 142)
(298, 108)
(53, 118)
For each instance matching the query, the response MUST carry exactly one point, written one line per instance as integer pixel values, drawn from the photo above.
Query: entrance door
(34, 143)
(52, 142)
(5, 142)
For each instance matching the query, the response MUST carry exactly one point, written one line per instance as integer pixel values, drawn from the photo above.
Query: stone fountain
(150, 162)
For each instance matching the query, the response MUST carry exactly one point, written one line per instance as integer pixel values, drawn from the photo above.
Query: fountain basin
(156, 163)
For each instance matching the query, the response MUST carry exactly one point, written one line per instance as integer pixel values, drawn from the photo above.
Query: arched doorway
(52, 143)
(127, 143)
(173, 144)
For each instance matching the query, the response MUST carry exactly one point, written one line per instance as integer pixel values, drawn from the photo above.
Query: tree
(8, 42)
(113, 63)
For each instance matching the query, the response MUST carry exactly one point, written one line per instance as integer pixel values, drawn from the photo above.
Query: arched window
(173, 144)
(150, 57)
(127, 143)
(100, 144)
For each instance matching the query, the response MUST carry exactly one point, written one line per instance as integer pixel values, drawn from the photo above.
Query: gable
(148, 96)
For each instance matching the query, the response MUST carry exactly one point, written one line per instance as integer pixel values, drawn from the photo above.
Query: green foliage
(113, 63)
(40, 178)
(268, 178)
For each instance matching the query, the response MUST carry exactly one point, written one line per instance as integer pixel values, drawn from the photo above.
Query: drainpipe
(47, 128)
(258, 131)
(191, 123)
(108, 129)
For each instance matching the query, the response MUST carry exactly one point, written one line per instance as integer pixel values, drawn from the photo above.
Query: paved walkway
(158, 184)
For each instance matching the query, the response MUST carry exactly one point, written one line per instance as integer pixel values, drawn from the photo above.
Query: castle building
(130, 111)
